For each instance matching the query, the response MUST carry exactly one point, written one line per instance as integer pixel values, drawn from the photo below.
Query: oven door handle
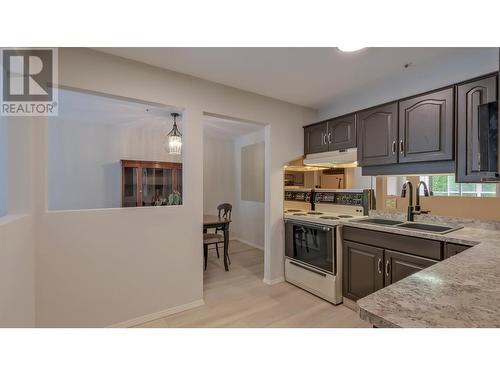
(308, 269)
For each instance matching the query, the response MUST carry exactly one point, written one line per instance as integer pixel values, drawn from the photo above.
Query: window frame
(477, 193)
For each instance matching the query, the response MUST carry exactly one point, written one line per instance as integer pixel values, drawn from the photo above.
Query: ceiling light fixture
(173, 143)
(349, 49)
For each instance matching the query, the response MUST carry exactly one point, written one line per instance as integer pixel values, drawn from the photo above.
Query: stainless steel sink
(441, 229)
(380, 221)
(428, 227)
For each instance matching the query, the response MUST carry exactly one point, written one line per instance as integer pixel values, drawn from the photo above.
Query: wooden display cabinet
(149, 183)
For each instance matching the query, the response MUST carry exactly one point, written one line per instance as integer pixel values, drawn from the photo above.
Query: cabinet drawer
(406, 244)
(316, 282)
(451, 249)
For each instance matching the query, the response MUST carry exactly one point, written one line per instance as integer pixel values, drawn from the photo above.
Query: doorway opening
(234, 161)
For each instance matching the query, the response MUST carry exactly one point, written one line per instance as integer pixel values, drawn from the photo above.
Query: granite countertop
(461, 291)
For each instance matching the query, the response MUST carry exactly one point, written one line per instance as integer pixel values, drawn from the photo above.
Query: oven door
(312, 244)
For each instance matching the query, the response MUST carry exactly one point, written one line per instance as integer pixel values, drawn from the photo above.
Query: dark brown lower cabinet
(398, 265)
(362, 270)
(374, 259)
(451, 249)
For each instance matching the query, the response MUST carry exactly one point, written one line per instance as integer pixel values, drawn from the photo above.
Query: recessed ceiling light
(349, 49)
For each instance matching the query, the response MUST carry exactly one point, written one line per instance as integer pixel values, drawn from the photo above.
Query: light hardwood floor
(239, 298)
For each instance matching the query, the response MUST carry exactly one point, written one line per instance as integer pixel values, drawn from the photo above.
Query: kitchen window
(445, 185)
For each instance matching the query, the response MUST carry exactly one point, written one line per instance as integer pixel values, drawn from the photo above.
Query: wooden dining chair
(217, 238)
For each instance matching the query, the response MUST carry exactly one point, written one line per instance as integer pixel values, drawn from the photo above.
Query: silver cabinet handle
(329, 137)
(324, 138)
(387, 268)
(393, 147)
(401, 147)
(379, 265)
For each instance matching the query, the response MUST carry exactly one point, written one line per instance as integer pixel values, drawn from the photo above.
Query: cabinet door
(377, 135)
(426, 129)
(469, 97)
(316, 138)
(130, 183)
(362, 270)
(398, 266)
(342, 133)
(451, 249)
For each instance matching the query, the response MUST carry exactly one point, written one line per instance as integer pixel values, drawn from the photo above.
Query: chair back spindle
(225, 210)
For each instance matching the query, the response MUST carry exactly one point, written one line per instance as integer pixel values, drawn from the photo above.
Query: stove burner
(293, 210)
(329, 217)
(345, 216)
(315, 213)
(299, 214)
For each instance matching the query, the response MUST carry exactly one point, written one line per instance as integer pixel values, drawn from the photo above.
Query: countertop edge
(375, 320)
(447, 237)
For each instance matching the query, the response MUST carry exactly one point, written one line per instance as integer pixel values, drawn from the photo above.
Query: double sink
(441, 229)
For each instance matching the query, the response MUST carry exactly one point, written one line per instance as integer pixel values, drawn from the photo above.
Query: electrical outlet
(391, 203)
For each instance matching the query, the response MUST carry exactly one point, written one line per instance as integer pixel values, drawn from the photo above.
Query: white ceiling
(311, 77)
(107, 110)
(228, 128)
(113, 111)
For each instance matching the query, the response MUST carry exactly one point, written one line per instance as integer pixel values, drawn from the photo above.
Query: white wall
(218, 174)
(3, 166)
(101, 267)
(355, 180)
(416, 79)
(17, 270)
(85, 149)
(250, 216)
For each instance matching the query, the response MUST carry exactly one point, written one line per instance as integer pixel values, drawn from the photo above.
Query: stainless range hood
(334, 159)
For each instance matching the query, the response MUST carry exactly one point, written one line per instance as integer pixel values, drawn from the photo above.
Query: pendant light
(173, 143)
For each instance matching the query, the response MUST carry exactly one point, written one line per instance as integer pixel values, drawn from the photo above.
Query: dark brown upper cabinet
(331, 135)
(316, 138)
(378, 135)
(469, 97)
(426, 127)
(362, 270)
(398, 265)
(341, 133)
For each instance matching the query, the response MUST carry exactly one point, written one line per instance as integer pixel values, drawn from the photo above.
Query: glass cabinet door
(148, 183)
(156, 186)
(179, 181)
(130, 177)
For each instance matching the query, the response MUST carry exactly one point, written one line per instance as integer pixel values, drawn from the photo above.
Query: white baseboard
(274, 281)
(158, 315)
(247, 243)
